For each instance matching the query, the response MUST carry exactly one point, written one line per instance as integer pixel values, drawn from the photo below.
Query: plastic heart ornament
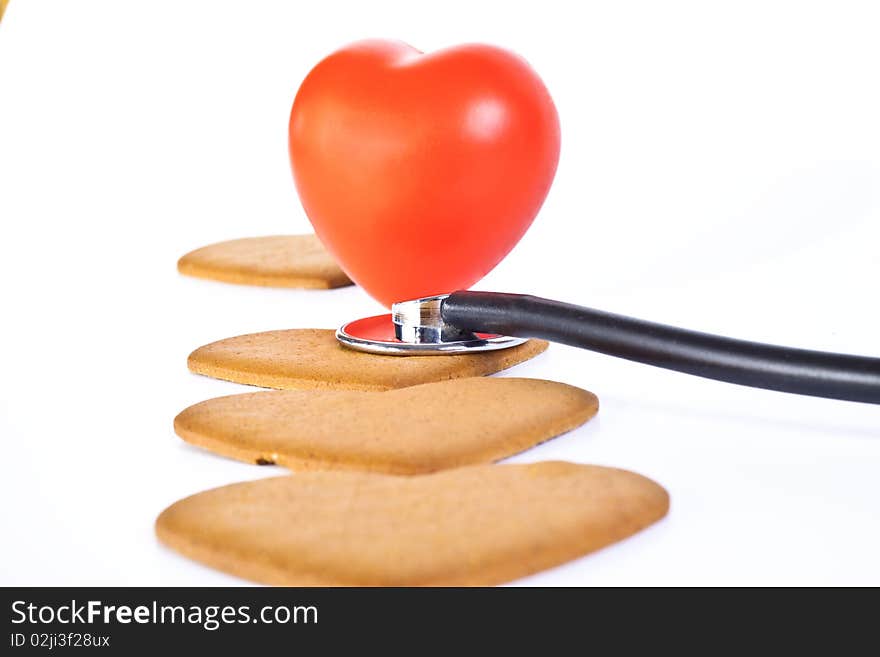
(420, 172)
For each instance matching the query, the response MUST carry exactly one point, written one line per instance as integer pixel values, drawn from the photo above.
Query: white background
(719, 171)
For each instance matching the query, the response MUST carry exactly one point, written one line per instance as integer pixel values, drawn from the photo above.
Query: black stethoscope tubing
(786, 369)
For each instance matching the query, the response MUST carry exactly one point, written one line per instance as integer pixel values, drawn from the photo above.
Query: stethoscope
(469, 322)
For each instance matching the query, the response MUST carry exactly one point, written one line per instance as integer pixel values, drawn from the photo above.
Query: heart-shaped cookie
(412, 430)
(478, 525)
(299, 261)
(303, 359)
(420, 172)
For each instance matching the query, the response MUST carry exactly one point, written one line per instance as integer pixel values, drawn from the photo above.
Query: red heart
(421, 172)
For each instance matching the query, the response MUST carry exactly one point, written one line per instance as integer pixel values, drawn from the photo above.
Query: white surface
(719, 171)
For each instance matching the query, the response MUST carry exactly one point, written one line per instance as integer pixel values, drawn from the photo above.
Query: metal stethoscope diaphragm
(417, 328)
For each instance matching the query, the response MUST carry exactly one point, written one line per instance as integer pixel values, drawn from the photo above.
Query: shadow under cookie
(313, 359)
(412, 430)
(293, 261)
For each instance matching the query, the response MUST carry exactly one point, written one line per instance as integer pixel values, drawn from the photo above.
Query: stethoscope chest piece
(416, 328)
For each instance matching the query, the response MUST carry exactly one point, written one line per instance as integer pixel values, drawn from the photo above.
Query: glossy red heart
(420, 172)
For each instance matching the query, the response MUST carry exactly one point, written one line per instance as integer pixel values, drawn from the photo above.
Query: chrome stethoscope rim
(376, 335)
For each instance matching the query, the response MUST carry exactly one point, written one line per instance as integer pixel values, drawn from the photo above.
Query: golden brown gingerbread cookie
(299, 261)
(423, 428)
(477, 525)
(313, 358)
